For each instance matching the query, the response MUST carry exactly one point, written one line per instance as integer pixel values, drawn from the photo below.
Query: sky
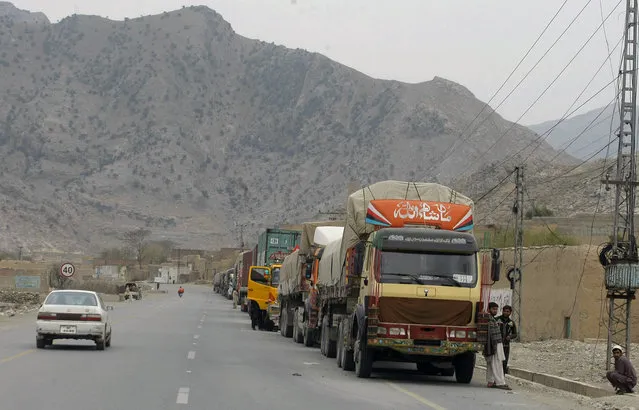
(476, 43)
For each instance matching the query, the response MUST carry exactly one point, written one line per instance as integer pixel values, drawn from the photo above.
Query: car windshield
(442, 269)
(71, 298)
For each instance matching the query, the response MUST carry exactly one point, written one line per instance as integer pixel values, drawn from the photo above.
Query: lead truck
(403, 283)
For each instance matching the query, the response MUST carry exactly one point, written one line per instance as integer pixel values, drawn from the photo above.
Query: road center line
(183, 396)
(417, 397)
(16, 356)
(191, 355)
(196, 337)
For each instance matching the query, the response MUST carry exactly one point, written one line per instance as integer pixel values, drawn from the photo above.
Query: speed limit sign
(67, 270)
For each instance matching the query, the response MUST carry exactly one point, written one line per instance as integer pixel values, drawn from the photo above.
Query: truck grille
(425, 311)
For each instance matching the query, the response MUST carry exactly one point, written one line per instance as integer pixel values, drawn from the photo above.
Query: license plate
(67, 330)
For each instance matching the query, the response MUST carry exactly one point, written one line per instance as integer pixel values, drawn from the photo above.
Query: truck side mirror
(309, 271)
(495, 267)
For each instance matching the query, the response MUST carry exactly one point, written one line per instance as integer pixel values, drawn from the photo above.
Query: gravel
(571, 359)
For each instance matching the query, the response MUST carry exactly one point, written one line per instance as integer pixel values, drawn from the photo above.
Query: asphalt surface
(199, 353)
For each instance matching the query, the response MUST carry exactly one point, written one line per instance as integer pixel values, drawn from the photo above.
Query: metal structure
(621, 267)
(515, 274)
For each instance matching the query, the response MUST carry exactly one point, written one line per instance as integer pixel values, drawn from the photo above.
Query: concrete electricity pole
(622, 267)
(515, 274)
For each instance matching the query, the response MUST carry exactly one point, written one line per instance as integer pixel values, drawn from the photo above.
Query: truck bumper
(408, 347)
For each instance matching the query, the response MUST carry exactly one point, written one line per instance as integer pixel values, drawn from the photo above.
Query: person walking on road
(624, 377)
(494, 352)
(508, 332)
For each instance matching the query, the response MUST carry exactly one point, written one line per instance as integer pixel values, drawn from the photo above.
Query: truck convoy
(402, 282)
(297, 289)
(272, 247)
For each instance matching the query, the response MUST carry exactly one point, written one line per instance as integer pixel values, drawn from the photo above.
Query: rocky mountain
(582, 136)
(176, 123)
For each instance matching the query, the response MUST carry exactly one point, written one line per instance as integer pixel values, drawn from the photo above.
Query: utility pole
(20, 252)
(515, 274)
(622, 268)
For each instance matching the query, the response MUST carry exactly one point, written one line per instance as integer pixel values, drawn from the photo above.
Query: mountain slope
(176, 123)
(582, 136)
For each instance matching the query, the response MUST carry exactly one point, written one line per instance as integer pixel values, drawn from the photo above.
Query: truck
(241, 267)
(272, 247)
(404, 282)
(298, 287)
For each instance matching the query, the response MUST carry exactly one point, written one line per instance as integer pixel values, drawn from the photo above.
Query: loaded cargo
(403, 283)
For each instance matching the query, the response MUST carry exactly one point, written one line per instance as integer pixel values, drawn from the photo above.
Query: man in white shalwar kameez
(494, 352)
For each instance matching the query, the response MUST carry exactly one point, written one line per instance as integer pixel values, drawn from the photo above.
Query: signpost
(67, 270)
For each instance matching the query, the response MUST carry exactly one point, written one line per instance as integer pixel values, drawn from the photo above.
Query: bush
(538, 236)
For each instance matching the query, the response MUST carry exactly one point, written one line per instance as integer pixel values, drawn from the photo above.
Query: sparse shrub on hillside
(538, 236)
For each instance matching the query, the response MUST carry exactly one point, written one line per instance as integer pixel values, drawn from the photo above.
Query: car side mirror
(495, 267)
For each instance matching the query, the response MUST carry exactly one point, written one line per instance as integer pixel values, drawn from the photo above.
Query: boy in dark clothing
(624, 377)
(508, 332)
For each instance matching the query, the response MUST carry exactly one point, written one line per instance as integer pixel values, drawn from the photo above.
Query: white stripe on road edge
(417, 397)
(191, 355)
(183, 396)
(196, 337)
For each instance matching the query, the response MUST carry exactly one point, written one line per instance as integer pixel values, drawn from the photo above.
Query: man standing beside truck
(508, 332)
(494, 351)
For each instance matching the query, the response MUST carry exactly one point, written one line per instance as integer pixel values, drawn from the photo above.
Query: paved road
(199, 353)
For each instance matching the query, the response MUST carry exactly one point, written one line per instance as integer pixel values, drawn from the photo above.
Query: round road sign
(67, 270)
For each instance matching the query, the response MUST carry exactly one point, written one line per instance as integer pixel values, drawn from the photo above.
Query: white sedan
(74, 314)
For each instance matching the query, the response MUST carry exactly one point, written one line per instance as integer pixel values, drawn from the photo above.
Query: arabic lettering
(406, 210)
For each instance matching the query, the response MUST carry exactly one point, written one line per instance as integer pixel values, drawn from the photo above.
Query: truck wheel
(464, 367)
(363, 361)
(288, 327)
(298, 336)
(340, 343)
(309, 337)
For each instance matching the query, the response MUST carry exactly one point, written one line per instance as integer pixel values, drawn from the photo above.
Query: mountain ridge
(176, 123)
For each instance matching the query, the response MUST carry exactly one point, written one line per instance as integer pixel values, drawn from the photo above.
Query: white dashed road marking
(196, 337)
(183, 395)
(191, 355)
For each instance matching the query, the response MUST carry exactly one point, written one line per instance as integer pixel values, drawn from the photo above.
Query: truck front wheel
(363, 360)
(464, 367)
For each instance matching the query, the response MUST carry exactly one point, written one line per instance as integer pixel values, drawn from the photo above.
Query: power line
(452, 146)
(545, 90)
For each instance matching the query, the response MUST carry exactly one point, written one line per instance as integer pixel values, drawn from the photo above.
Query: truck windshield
(259, 275)
(441, 269)
(275, 276)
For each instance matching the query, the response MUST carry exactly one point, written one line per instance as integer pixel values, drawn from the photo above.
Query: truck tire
(340, 343)
(298, 336)
(363, 361)
(288, 330)
(464, 367)
(309, 337)
(329, 348)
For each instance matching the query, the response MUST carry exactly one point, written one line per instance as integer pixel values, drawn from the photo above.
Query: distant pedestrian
(127, 295)
(624, 377)
(508, 332)
(494, 351)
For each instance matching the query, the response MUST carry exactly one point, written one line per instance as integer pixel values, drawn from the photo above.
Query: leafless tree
(137, 241)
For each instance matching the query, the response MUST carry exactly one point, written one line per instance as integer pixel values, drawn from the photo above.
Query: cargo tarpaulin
(356, 208)
(308, 232)
(290, 274)
(330, 266)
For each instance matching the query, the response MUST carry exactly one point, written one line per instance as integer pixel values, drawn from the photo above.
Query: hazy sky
(474, 42)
